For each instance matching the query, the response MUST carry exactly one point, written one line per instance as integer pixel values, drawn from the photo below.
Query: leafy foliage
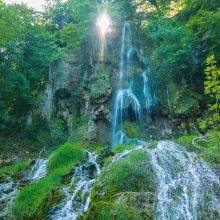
(27, 52)
(212, 88)
(176, 47)
(100, 83)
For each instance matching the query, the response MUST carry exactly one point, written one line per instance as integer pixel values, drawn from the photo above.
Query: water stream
(10, 188)
(77, 193)
(185, 184)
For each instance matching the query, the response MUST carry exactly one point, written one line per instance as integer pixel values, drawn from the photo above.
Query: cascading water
(8, 191)
(77, 194)
(10, 188)
(124, 97)
(185, 184)
(168, 98)
(39, 170)
(127, 104)
(150, 97)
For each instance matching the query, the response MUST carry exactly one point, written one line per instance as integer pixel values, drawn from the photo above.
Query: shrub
(100, 83)
(79, 129)
(58, 132)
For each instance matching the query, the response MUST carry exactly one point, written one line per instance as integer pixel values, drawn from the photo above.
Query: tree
(212, 88)
(174, 50)
(27, 52)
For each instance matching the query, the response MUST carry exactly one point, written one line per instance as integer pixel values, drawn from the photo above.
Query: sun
(104, 23)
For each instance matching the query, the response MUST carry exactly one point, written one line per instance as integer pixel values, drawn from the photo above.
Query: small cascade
(77, 194)
(10, 188)
(168, 98)
(149, 94)
(39, 170)
(8, 192)
(185, 184)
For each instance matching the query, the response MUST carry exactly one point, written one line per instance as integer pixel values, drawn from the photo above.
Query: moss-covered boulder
(124, 190)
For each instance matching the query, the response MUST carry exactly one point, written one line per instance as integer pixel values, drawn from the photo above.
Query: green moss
(100, 83)
(132, 130)
(126, 175)
(118, 178)
(64, 156)
(34, 200)
(15, 169)
(98, 211)
(186, 141)
(79, 131)
(211, 147)
(122, 147)
(119, 210)
(153, 144)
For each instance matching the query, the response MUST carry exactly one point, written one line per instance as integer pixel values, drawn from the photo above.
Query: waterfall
(168, 98)
(186, 187)
(77, 194)
(125, 98)
(150, 97)
(185, 184)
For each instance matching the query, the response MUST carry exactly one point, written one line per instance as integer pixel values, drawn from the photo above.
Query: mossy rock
(116, 210)
(121, 188)
(34, 200)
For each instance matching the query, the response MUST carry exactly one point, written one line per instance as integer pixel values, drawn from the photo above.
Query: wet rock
(62, 93)
(105, 153)
(140, 200)
(89, 170)
(24, 182)
(92, 131)
(3, 179)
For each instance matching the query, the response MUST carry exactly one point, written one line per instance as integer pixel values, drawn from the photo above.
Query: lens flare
(104, 24)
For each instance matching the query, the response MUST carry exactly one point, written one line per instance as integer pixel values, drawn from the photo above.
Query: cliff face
(72, 95)
(81, 92)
